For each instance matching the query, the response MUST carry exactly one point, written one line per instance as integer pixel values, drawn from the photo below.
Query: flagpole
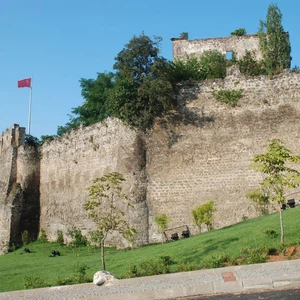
(29, 110)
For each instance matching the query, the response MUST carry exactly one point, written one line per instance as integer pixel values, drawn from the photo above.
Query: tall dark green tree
(274, 41)
(142, 90)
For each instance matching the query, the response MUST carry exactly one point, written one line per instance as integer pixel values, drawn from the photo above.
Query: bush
(59, 237)
(248, 65)
(43, 236)
(230, 97)
(239, 32)
(34, 282)
(260, 201)
(215, 64)
(217, 262)
(189, 69)
(151, 267)
(25, 237)
(78, 240)
(271, 233)
(254, 255)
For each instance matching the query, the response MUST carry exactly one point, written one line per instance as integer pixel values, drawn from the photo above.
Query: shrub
(260, 201)
(25, 237)
(217, 262)
(215, 64)
(271, 233)
(78, 240)
(34, 282)
(151, 267)
(248, 65)
(189, 69)
(184, 35)
(254, 255)
(230, 97)
(204, 214)
(59, 237)
(239, 32)
(43, 236)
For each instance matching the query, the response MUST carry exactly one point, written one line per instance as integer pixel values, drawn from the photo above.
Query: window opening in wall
(228, 55)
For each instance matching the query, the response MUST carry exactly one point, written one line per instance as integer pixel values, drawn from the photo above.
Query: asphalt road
(278, 294)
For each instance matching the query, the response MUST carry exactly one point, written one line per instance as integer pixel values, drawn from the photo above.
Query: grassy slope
(14, 267)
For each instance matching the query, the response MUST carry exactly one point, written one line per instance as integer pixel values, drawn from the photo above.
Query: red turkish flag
(24, 83)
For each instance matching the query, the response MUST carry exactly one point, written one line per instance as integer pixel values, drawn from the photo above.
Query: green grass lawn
(205, 250)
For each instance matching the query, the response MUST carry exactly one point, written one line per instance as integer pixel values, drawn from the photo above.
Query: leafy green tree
(215, 63)
(142, 89)
(274, 41)
(105, 207)
(204, 214)
(95, 108)
(278, 176)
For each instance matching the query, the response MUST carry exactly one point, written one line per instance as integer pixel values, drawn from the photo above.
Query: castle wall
(10, 141)
(70, 164)
(176, 167)
(238, 44)
(207, 156)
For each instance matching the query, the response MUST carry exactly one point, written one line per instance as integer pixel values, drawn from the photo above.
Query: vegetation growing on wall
(215, 63)
(239, 32)
(230, 97)
(248, 65)
(274, 42)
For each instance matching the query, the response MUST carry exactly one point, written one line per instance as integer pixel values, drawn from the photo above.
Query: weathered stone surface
(238, 44)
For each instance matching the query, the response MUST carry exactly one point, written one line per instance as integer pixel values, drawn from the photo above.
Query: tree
(278, 177)
(162, 223)
(274, 41)
(142, 89)
(204, 214)
(215, 63)
(95, 108)
(106, 207)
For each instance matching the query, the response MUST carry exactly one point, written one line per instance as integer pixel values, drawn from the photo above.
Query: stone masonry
(201, 154)
(238, 44)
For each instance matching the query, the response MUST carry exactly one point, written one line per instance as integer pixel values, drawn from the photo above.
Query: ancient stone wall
(70, 164)
(207, 156)
(238, 44)
(203, 154)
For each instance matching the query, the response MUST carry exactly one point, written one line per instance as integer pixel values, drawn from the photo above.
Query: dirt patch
(291, 252)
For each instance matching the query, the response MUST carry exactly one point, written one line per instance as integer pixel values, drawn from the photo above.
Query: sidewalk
(204, 282)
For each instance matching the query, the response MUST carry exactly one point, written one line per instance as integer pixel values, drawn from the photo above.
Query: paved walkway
(204, 282)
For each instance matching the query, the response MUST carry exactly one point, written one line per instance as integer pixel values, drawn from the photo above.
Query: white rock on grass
(103, 278)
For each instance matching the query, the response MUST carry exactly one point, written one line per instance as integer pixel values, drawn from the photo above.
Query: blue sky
(60, 41)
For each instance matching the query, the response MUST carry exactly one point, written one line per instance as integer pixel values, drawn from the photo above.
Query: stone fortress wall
(172, 169)
(239, 44)
(19, 188)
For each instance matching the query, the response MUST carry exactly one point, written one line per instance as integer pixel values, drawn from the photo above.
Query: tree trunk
(102, 254)
(281, 224)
